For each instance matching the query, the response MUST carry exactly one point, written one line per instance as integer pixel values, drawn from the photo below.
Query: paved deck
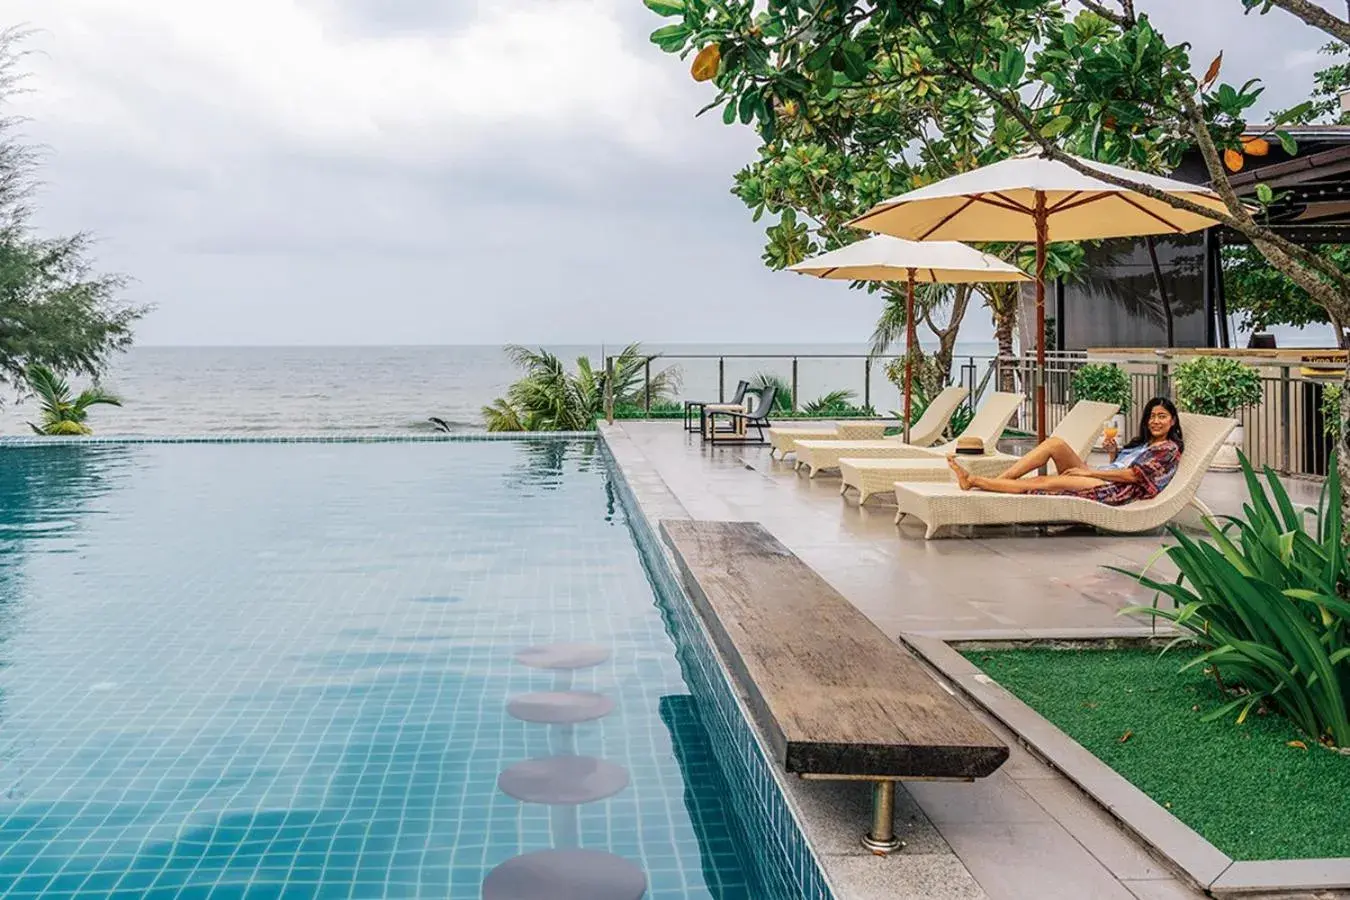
(1026, 832)
(998, 583)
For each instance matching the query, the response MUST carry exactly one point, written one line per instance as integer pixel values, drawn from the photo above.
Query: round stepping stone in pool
(565, 875)
(563, 780)
(560, 707)
(563, 656)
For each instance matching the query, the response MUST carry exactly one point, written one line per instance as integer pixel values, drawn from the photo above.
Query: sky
(286, 172)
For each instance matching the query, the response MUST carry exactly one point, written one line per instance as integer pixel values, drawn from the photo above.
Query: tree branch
(1317, 17)
(1124, 20)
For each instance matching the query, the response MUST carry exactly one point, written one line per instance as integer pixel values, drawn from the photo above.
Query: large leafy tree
(1100, 81)
(56, 310)
(833, 150)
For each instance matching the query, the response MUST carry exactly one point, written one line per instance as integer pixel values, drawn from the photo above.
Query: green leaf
(729, 112)
(819, 58)
(1295, 114)
(671, 38)
(1013, 66)
(1287, 142)
(1265, 194)
(1056, 126)
(667, 8)
(747, 106)
(855, 62)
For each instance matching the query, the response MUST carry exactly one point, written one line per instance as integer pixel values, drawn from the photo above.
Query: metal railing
(806, 376)
(1284, 430)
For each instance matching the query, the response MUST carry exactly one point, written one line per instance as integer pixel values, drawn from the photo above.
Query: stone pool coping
(828, 817)
(1185, 850)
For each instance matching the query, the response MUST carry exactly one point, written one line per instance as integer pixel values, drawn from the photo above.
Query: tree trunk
(1342, 340)
(1343, 456)
(1004, 309)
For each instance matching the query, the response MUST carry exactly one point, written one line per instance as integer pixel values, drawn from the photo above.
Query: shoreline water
(369, 390)
(172, 391)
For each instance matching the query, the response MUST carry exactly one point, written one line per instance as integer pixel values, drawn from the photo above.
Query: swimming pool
(302, 670)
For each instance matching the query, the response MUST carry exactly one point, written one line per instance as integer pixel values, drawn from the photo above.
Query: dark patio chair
(757, 418)
(694, 422)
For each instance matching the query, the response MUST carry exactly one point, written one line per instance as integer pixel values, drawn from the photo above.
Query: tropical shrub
(838, 405)
(782, 397)
(661, 409)
(1265, 599)
(1104, 383)
(550, 398)
(63, 414)
(1216, 386)
(1331, 410)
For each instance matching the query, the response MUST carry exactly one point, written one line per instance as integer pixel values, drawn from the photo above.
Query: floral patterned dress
(1155, 468)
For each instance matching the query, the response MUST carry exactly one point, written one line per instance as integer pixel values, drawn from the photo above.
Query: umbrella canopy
(998, 203)
(885, 258)
(1035, 198)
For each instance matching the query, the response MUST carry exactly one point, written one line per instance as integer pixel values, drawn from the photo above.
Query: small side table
(706, 427)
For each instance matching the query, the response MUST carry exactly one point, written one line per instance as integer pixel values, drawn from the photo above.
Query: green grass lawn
(1241, 786)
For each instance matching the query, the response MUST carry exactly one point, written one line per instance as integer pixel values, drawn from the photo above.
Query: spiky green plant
(836, 404)
(782, 398)
(1265, 598)
(550, 398)
(63, 414)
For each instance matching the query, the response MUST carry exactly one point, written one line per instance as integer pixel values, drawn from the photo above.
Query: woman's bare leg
(1052, 449)
(1055, 483)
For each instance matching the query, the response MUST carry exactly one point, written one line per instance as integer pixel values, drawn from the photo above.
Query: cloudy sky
(439, 171)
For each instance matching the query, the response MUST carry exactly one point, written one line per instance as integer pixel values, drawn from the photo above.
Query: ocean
(381, 390)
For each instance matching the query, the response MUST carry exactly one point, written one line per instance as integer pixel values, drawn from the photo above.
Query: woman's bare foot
(962, 476)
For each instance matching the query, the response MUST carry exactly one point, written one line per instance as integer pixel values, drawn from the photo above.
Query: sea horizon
(179, 390)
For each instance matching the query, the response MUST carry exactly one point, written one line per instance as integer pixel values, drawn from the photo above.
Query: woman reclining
(1137, 472)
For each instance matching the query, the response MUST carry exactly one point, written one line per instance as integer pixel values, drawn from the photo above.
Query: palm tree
(549, 398)
(62, 415)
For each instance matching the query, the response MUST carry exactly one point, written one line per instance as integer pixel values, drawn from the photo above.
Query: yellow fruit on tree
(1233, 160)
(1255, 146)
(707, 62)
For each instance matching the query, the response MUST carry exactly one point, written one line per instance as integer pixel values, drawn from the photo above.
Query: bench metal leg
(881, 840)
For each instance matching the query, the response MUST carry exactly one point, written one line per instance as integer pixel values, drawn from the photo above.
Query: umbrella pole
(1041, 218)
(909, 349)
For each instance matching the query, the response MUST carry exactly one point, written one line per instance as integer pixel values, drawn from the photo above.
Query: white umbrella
(1035, 198)
(892, 259)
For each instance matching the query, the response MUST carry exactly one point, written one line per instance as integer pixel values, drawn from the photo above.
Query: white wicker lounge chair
(987, 425)
(1079, 429)
(926, 431)
(939, 505)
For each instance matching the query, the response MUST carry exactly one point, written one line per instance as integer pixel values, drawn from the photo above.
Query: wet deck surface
(987, 582)
(1026, 831)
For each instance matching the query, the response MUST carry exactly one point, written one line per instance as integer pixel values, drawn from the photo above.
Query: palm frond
(95, 396)
(501, 416)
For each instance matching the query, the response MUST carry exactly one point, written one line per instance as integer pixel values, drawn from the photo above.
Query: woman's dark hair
(1173, 435)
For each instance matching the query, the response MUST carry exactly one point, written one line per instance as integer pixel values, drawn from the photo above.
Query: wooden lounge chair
(939, 505)
(1079, 429)
(926, 431)
(987, 425)
(740, 422)
(693, 422)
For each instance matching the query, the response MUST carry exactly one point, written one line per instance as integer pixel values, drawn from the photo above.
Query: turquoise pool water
(283, 671)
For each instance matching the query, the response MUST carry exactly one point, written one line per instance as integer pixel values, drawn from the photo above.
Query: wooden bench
(836, 697)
